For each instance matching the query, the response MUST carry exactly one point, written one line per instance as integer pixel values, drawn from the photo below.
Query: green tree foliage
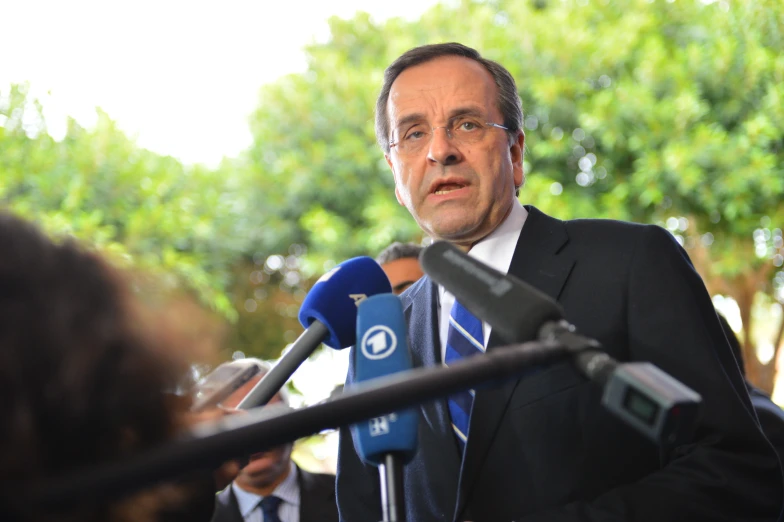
(144, 210)
(651, 111)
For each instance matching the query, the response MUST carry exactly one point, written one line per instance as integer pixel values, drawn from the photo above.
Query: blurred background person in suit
(271, 487)
(400, 262)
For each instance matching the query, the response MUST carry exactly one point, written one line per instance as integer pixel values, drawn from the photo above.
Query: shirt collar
(497, 248)
(287, 491)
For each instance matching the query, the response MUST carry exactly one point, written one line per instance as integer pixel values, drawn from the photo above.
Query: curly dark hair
(83, 379)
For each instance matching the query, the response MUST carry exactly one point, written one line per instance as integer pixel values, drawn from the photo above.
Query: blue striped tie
(464, 339)
(269, 508)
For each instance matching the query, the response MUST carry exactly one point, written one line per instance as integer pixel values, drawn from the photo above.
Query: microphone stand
(276, 378)
(265, 428)
(390, 474)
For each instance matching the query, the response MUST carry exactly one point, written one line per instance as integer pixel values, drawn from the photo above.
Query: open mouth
(446, 188)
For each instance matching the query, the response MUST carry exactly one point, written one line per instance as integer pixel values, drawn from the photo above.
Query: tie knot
(269, 506)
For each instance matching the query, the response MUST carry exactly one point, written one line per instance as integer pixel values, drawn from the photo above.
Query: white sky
(181, 76)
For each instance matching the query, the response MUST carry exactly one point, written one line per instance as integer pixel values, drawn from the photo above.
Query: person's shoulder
(605, 228)
(316, 481)
(317, 493)
(616, 232)
(223, 498)
(415, 291)
(599, 237)
(580, 228)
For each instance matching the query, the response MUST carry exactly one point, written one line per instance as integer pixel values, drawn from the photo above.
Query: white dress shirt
(495, 250)
(287, 491)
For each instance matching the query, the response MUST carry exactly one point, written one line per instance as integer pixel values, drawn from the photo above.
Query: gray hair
(397, 251)
(509, 102)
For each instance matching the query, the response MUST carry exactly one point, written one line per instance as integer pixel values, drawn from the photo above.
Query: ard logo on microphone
(379, 342)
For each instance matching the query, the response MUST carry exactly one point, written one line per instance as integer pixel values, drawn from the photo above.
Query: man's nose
(442, 148)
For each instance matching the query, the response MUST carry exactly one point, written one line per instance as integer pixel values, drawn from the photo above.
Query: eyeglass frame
(448, 132)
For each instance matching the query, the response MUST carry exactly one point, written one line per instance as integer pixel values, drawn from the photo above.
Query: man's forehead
(402, 264)
(441, 84)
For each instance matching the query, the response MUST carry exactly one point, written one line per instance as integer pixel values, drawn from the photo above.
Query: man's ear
(389, 162)
(394, 175)
(516, 150)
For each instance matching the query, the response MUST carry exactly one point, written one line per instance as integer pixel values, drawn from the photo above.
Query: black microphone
(329, 315)
(643, 396)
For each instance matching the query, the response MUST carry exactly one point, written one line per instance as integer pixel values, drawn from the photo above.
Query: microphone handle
(391, 480)
(276, 378)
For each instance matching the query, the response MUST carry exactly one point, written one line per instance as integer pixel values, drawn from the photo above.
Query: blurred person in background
(400, 262)
(85, 371)
(771, 416)
(271, 487)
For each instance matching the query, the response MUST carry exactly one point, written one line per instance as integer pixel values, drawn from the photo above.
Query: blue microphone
(329, 315)
(388, 441)
(334, 298)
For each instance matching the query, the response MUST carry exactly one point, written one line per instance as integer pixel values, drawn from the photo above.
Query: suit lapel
(437, 465)
(537, 261)
(422, 316)
(226, 507)
(306, 503)
(314, 502)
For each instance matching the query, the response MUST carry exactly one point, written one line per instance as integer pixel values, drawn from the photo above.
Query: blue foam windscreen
(382, 349)
(334, 298)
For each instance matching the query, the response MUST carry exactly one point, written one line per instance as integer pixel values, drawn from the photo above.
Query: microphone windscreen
(381, 350)
(514, 309)
(334, 298)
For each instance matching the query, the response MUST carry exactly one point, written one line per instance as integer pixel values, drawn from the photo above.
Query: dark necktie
(269, 507)
(464, 340)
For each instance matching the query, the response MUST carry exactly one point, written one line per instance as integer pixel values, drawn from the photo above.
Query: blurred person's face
(402, 273)
(455, 192)
(267, 467)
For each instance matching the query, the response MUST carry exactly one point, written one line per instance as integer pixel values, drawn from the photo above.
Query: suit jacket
(317, 500)
(541, 448)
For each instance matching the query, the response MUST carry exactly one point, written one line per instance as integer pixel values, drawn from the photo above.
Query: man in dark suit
(311, 497)
(271, 487)
(541, 448)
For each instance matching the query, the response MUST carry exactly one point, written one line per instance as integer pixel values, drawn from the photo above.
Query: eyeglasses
(460, 132)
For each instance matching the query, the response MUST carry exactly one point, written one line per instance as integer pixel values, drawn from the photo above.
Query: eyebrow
(454, 113)
(410, 118)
